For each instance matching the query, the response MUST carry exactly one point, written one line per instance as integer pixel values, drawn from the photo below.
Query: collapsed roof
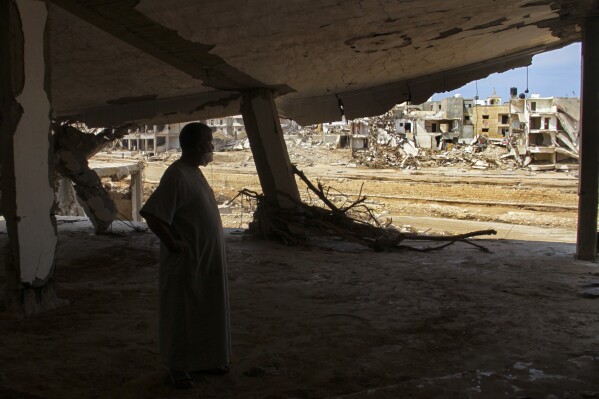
(153, 61)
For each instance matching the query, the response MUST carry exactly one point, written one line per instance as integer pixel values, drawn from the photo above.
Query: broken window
(533, 106)
(485, 130)
(467, 118)
(546, 123)
(409, 127)
(504, 119)
(539, 139)
(535, 123)
(434, 127)
(485, 116)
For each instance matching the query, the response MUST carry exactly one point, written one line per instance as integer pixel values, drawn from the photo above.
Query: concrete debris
(441, 133)
(72, 149)
(480, 154)
(66, 199)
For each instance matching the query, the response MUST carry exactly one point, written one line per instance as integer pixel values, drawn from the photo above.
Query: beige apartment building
(491, 119)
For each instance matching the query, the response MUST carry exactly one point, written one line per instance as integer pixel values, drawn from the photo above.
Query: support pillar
(27, 157)
(588, 185)
(136, 188)
(264, 131)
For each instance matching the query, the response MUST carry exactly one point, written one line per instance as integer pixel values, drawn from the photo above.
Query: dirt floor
(332, 319)
(328, 320)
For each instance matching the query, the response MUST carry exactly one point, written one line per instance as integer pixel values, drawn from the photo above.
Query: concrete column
(136, 188)
(27, 156)
(586, 242)
(264, 131)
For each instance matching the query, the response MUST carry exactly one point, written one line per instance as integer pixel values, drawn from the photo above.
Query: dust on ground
(326, 320)
(514, 197)
(332, 319)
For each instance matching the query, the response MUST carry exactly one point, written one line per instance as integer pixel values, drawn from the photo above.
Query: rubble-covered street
(424, 198)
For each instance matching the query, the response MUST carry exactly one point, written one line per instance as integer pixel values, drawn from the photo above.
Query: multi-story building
(231, 126)
(542, 131)
(161, 138)
(153, 138)
(545, 128)
(491, 119)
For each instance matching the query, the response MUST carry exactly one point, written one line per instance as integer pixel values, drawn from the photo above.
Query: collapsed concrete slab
(72, 148)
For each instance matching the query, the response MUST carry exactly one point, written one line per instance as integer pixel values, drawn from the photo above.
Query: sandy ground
(331, 319)
(507, 197)
(328, 320)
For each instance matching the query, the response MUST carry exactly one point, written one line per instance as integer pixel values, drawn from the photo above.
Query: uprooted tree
(355, 222)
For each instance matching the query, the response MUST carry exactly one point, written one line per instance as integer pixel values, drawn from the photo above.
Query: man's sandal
(213, 371)
(180, 379)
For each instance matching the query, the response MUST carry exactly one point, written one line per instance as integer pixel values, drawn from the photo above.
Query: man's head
(196, 144)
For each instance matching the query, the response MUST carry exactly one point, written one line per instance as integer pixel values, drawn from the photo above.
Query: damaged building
(544, 131)
(540, 133)
(156, 139)
(153, 138)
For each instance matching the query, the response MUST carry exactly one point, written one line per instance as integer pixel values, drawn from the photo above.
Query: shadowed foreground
(329, 321)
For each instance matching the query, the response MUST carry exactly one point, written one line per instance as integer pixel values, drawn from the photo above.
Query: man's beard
(207, 158)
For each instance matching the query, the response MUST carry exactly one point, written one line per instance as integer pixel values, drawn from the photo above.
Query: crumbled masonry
(72, 149)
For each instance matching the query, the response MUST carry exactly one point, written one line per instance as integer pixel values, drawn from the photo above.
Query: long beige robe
(194, 303)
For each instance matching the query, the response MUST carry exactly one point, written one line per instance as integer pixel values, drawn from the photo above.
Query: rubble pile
(404, 154)
(304, 137)
(388, 148)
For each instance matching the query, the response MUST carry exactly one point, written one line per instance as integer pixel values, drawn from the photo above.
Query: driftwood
(355, 222)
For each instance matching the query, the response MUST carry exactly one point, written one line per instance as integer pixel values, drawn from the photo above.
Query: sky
(552, 74)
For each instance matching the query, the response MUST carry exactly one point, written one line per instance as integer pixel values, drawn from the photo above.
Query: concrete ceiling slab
(164, 61)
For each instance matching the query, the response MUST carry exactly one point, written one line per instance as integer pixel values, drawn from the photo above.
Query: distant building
(491, 119)
(160, 138)
(545, 128)
(542, 131)
(153, 138)
(230, 125)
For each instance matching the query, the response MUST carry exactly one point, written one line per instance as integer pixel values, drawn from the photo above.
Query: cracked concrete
(191, 54)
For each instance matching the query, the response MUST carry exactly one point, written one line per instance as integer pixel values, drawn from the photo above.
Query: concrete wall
(486, 119)
(453, 107)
